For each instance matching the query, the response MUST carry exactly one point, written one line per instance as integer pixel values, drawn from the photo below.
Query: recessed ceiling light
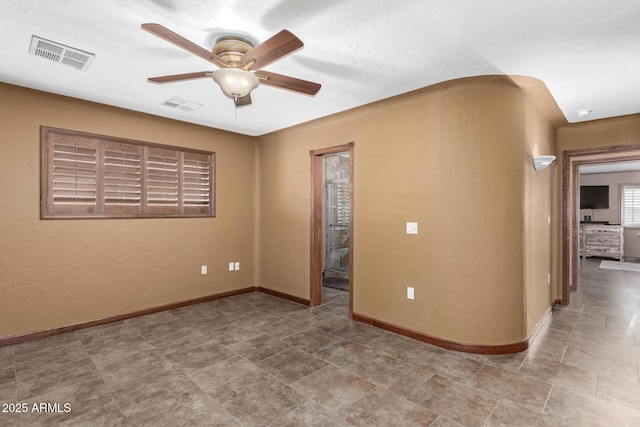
(583, 113)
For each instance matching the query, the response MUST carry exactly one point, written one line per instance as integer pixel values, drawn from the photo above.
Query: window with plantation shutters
(196, 173)
(94, 176)
(630, 205)
(72, 178)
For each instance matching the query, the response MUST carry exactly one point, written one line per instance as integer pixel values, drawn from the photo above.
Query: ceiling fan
(240, 63)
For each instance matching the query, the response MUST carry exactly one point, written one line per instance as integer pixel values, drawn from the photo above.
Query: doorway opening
(572, 160)
(332, 223)
(337, 208)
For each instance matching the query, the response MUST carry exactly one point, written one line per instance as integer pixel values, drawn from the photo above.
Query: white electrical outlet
(237, 265)
(231, 266)
(409, 293)
(203, 269)
(412, 228)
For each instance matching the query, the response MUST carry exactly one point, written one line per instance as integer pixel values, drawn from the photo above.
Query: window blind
(197, 181)
(73, 176)
(122, 178)
(85, 175)
(343, 201)
(630, 209)
(162, 181)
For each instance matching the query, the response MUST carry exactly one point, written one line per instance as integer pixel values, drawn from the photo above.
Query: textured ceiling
(586, 52)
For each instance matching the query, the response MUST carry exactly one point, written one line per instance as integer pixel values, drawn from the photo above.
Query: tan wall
(623, 130)
(456, 158)
(56, 273)
(538, 196)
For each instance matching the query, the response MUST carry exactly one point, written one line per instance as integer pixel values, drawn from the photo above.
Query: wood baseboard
(453, 345)
(282, 295)
(450, 345)
(17, 339)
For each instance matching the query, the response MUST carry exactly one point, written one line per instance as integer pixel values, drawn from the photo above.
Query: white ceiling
(585, 51)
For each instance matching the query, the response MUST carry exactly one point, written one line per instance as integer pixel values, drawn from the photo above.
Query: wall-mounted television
(594, 197)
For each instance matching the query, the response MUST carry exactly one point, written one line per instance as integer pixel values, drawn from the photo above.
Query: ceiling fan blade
(278, 46)
(289, 83)
(178, 77)
(243, 101)
(178, 40)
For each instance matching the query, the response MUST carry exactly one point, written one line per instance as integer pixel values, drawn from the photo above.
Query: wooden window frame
(110, 177)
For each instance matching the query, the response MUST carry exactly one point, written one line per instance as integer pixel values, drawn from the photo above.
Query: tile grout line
(522, 363)
(492, 411)
(544, 408)
(564, 353)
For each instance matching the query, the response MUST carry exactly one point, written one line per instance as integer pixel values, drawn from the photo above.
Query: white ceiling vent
(181, 104)
(58, 52)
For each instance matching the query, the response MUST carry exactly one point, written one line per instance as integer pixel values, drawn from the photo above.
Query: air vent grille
(60, 53)
(181, 104)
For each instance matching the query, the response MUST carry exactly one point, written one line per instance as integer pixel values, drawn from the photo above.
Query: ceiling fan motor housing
(231, 49)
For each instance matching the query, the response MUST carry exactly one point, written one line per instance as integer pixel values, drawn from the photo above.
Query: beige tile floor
(256, 360)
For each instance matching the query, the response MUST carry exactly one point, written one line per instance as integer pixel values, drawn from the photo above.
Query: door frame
(571, 161)
(317, 235)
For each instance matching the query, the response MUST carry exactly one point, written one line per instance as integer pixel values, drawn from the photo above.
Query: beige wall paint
(456, 158)
(623, 130)
(56, 273)
(538, 195)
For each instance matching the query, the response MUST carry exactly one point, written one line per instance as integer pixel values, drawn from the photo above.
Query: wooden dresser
(601, 240)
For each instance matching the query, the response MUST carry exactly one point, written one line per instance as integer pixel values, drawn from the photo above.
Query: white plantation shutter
(343, 198)
(86, 175)
(196, 181)
(630, 205)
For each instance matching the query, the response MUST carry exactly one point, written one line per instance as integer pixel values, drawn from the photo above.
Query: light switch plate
(231, 266)
(412, 228)
(203, 269)
(237, 265)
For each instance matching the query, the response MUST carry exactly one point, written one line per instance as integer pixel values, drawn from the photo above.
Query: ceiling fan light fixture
(234, 82)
